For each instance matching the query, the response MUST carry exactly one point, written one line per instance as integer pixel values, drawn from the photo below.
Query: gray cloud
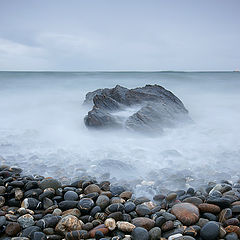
(119, 35)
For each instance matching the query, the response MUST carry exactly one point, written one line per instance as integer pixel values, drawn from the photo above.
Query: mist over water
(42, 130)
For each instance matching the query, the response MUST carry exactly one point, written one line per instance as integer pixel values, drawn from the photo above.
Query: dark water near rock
(42, 129)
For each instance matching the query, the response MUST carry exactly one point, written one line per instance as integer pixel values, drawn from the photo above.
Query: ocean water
(42, 130)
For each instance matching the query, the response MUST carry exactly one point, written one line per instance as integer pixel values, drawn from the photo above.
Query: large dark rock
(149, 108)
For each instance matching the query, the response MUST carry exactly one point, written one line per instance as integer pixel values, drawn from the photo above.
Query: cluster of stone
(34, 207)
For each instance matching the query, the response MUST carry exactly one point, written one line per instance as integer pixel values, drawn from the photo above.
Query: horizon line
(120, 71)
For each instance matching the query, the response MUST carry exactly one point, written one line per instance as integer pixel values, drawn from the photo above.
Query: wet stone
(118, 216)
(48, 231)
(236, 209)
(66, 205)
(225, 214)
(222, 202)
(16, 184)
(75, 212)
(160, 221)
(29, 232)
(102, 201)
(39, 236)
(85, 205)
(168, 225)
(92, 188)
(71, 195)
(210, 208)
(231, 236)
(78, 234)
(126, 195)
(171, 196)
(26, 221)
(2, 201)
(140, 233)
(194, 200)
(187, 213)
(68, 223)
(210, 231)
(232, 221)
(210, 216)
(2, 220)
(143, 222)
(50, 183)
(13, 229)
(31, 185)
(125, 226)
(115, 207)
(142, 210)
(31, 203)
(129, 206)
(155, 233)
(48, 222)
(110, 223)
(116, 190)
(100, 228)
(169, 216)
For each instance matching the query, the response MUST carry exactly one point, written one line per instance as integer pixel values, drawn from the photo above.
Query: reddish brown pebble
(186, 213)
(13, 229)
(210, 208)
(100, 228)
(167, 226)
(232, 228)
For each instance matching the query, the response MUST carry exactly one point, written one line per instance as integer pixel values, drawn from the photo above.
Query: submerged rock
(155, 108)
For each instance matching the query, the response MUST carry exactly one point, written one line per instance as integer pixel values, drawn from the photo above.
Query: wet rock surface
(87, 209)
(156, 108)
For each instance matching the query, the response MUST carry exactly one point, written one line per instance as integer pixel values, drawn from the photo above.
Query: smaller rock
(13, 229)
(26, 221)
(140, 233)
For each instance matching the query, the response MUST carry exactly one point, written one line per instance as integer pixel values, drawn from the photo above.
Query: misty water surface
(42, 130)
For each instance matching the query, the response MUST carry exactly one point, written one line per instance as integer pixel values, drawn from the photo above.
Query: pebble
(77, 234)
(187, 213)
(68, 204)
(68, 223)
(26, 221)
(110, 223)
(100, 228)
(210, 208)
(210, 231)
(13, 229)
(143, 222)
(175, 236)
(231, 236)
(125, 226)
(129, 206)
(85, 205)
(71, 195)
(92, 188)
(102, 201)
(50, 183)
(194, 200)
(142, 210)
(140, 233)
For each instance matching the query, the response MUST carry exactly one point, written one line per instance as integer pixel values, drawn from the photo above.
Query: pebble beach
(37, 207)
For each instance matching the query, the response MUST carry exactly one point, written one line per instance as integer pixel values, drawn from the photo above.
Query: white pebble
(175, 236)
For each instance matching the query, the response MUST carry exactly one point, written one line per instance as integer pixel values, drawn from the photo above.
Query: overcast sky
(119, 35)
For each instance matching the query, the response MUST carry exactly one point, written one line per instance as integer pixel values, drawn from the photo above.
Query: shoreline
(34, 207)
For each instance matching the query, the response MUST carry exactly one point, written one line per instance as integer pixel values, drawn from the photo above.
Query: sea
(42, 130)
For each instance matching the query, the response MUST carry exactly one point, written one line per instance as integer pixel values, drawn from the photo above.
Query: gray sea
(42, 130)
